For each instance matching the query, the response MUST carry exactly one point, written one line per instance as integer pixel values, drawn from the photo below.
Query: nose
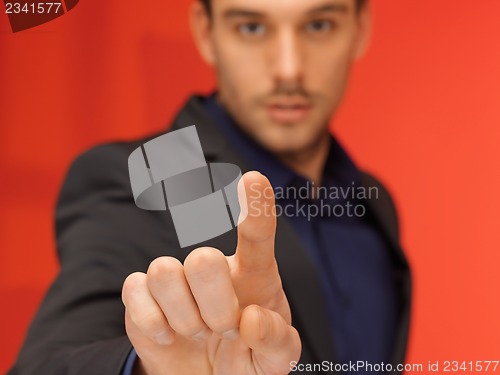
(287, 58)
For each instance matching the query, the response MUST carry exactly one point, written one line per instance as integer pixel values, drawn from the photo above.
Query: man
(332, 289)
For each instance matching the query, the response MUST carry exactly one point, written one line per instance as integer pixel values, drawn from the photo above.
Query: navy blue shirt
(352, 258)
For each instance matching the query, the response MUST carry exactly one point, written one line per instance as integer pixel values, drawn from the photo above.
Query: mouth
(288, 111)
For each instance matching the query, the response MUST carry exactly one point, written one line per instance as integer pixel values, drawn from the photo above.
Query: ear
(201, 28)
(364, 32)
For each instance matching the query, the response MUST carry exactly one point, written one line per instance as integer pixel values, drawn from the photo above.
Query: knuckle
(164, 268)
(203, 260)
(134, 283)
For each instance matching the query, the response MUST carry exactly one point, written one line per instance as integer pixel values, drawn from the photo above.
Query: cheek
(327, 80)
(329, 61)
(243, 67)
(328, 67)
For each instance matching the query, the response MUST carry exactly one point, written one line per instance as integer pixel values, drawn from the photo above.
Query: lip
(288, 111)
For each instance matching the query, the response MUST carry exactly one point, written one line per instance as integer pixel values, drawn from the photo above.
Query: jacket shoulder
(102, 168)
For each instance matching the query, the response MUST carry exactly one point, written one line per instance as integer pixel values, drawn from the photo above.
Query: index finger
(257, 224)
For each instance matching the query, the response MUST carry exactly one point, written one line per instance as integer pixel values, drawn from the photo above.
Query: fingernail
(163, 338)
(202, 335)
(231, 334)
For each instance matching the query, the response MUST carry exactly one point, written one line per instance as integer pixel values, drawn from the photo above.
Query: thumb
(274, 342)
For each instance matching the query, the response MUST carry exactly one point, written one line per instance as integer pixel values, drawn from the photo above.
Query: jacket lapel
(386, 219)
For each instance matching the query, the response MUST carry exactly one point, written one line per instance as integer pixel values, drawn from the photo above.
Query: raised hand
(216, 314)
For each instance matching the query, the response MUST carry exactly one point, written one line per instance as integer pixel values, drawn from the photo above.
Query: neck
(309, 162)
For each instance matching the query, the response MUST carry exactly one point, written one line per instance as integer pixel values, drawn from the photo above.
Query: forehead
(282, 8)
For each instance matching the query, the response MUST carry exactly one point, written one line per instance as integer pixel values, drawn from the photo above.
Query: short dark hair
(208, 7)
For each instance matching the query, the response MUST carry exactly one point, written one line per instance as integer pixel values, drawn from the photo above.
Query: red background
(422, 112)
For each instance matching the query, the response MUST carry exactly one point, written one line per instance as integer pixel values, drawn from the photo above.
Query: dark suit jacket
(102, 237)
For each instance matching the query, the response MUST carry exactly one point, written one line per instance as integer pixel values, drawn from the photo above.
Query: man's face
(282, 65)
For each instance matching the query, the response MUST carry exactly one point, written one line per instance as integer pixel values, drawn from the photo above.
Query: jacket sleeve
(102, 237)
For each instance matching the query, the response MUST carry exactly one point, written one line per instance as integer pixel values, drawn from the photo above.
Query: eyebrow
(330, 7)
(230, 13)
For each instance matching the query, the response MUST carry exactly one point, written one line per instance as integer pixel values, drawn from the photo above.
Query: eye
(252, 29)
(319, 26)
